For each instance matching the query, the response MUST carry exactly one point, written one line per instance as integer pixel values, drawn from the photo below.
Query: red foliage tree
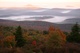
(34, 43)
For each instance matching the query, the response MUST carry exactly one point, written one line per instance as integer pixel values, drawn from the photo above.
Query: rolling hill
(71, 21)
(37, 25)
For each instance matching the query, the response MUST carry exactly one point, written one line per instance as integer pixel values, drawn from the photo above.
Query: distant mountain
(39, 11)
(19, 11)
(73, 12)
(55, 11)
(41, 17)
(71, 21)
(37, 25)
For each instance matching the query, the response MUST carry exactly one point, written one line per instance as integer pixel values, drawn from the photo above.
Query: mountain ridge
(37, 25)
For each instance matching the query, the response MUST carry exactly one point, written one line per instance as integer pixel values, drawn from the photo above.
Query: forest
(54, 40)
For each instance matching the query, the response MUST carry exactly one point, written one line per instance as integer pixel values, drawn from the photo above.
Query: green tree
(45, 32)
(20, 41)
(74, 35)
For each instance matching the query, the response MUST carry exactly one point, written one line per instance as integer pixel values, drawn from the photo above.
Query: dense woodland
(54, 40)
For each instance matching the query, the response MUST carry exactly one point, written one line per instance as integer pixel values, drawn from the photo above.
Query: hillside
(38, 25)
(71, 20)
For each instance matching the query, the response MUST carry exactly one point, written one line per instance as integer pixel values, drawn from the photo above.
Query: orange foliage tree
(56, 38)
(9, 41)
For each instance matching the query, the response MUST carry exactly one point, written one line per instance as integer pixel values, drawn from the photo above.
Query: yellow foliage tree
(54, 40)
(58, 35)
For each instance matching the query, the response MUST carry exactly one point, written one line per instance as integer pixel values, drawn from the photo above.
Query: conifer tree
(74, 35)
(20, 41)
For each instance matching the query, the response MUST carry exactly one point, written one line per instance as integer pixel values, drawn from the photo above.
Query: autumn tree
(1, 38)
(20, 41)
(58, 31)
(55, 40)
(51, 29)
(9, 41)
(74, 35)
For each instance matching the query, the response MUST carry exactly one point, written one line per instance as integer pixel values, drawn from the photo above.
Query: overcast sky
(41, 3)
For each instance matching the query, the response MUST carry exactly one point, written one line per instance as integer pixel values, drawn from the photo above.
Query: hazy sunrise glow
(41, 3)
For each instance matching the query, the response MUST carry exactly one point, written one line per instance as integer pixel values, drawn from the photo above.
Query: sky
(40, 3)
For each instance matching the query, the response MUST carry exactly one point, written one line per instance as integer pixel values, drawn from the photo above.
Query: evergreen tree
(74, 35)
(19, 37)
